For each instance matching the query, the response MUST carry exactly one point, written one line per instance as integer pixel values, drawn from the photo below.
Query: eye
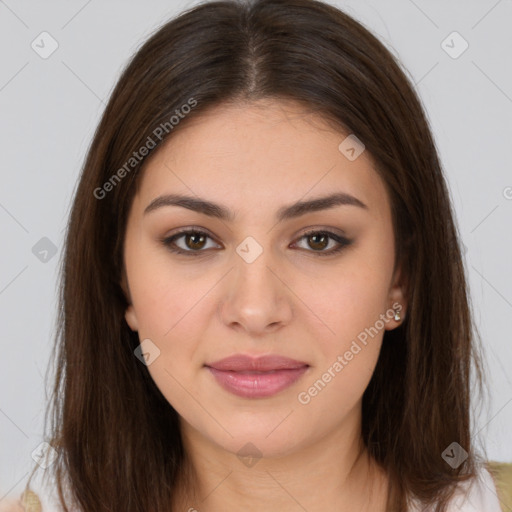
(195, 240)
(319, 240)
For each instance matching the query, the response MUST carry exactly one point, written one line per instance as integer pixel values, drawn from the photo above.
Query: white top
(476, 495)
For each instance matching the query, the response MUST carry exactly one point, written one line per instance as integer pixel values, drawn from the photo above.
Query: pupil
(194, 240)
(322, 244)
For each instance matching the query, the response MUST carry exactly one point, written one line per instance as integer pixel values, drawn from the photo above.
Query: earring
(397, 316)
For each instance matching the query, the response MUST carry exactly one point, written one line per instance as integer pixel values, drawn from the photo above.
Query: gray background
(50, 108)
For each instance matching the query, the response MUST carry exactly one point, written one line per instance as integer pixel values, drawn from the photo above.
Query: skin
(254, 159)
(11, 505)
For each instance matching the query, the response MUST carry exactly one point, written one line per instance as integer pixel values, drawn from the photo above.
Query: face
(255, 276)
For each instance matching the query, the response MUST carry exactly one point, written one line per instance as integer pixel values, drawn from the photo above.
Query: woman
(263, 299)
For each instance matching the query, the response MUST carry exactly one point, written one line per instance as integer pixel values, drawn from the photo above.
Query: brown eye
(194, 242)
(318, 241)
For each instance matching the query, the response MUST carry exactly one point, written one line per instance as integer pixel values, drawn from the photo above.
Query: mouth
(256, 377)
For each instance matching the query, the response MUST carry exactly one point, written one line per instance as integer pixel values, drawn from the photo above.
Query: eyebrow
(284, 213)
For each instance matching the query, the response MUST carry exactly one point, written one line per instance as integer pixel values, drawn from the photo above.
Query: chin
(267, 438)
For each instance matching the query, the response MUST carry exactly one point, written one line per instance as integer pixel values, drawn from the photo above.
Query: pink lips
(259, 377)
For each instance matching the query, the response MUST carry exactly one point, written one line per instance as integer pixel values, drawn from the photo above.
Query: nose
(256, 297)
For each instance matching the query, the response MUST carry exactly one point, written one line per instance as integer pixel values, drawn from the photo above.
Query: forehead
(262, 154)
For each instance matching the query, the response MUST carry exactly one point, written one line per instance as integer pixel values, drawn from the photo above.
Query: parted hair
(117, 438)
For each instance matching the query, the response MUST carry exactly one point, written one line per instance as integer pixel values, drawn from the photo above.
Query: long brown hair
(117, 438)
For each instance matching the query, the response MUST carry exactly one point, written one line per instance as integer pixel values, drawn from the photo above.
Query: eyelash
(169, 242)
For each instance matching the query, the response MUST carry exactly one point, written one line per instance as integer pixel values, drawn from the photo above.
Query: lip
(256, 377)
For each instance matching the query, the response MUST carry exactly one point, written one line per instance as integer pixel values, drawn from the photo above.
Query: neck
(334, 470)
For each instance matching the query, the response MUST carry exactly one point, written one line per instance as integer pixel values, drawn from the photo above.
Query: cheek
(163, 294)
(345, 358)
(349, 302)
(354, 310)
(169, 309)
(354, 318)
(171, 304)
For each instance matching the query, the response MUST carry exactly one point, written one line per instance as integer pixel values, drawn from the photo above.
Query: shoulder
(11, 505)
(27, 502)
(480, 493)
(487, 492)
(501, 473)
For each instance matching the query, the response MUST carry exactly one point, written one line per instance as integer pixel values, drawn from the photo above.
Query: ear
(131, 318)
(129, 314)
(396, 300)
